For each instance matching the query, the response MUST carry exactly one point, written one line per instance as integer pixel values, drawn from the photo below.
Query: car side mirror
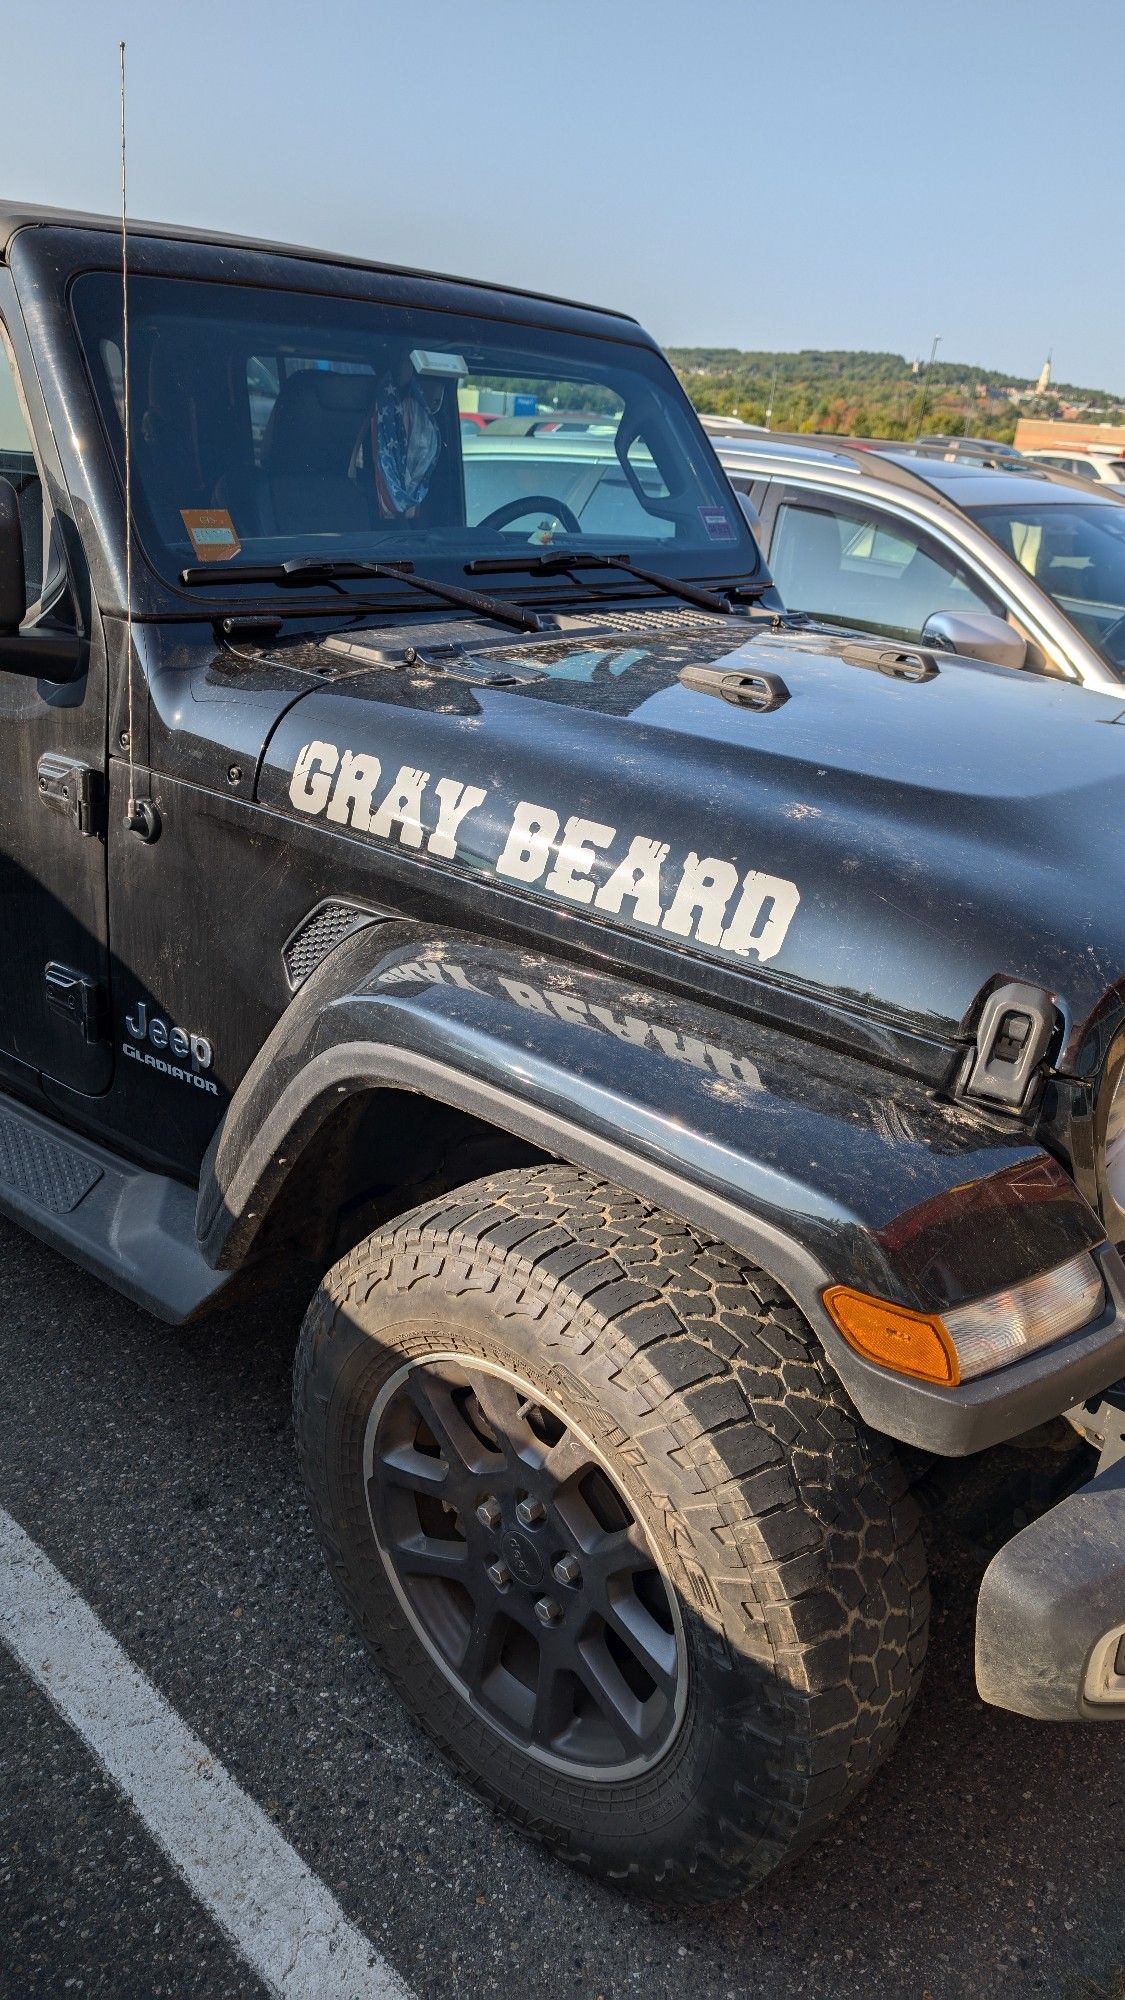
(11, 560)
(980, 635)
(44, 651)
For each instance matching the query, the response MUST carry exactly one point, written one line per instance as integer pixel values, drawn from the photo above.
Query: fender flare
(820, 1168)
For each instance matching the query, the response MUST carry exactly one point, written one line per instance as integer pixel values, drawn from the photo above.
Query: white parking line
(275, 1912)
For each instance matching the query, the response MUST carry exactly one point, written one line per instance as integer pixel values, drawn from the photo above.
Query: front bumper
(1051, 1610)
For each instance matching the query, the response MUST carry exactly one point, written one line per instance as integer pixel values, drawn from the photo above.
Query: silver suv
(1015, 568)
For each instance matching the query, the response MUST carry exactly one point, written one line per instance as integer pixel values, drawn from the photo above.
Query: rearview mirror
(981, 635)
(12, 604)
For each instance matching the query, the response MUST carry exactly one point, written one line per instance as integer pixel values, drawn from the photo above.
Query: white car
(1099, 467)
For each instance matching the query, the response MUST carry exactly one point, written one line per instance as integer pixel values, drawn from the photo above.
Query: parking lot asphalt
(154, 1467)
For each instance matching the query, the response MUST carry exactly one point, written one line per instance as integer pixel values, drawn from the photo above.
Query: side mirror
(12, 603)
(44, 652)
(981, 635)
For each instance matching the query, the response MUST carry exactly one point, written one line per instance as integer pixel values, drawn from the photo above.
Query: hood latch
(1015, 1031)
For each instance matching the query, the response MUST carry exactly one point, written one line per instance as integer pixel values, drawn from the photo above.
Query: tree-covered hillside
(871, 395)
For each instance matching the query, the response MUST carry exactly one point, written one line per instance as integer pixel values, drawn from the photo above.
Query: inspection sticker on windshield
(212, 533)
(718, 524)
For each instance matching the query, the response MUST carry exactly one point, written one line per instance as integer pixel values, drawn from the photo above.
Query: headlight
(974, 1339)
(1010, 1324)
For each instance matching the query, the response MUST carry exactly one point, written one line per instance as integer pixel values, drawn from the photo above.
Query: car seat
(304, 483)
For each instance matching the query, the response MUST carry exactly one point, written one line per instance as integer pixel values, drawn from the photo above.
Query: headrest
(315, 422)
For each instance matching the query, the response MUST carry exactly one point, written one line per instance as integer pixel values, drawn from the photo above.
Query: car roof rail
(863, 456)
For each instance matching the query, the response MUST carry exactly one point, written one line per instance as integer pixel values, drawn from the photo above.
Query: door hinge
(78, 998)
(69, 786)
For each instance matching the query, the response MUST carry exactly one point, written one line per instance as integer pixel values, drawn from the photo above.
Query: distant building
(1044, 383)
(1042, 434)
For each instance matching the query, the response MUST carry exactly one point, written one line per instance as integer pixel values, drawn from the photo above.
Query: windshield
(272, 425)
(1077, 555)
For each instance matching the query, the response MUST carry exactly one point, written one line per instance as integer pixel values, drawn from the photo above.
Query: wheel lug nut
(488, 1513)
(566, 1570)
(500, 1575)
(547, 1611)
(530, 1511)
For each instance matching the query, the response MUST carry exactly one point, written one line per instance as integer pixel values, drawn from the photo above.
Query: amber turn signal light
(911, 1343)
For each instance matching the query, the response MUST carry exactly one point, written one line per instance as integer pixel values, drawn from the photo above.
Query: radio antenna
(142, 816)
(131, 815)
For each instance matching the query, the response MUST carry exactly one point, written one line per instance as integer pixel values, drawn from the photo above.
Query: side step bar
(132, 1228)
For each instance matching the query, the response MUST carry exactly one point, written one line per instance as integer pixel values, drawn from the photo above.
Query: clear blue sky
(805, 173)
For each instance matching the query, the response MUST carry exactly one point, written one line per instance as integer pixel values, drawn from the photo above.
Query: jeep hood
(885, 843)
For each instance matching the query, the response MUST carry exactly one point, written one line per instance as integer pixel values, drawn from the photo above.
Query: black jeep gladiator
(684, 1050)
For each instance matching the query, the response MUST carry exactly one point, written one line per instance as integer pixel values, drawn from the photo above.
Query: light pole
(926, 380)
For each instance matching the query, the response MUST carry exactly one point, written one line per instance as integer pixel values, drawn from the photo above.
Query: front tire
(605, 1516)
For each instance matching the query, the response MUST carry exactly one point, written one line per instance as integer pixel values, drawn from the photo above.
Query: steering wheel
(527, 504)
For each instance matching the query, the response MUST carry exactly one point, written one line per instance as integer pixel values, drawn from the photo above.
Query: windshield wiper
(558, 561)
(318, 569)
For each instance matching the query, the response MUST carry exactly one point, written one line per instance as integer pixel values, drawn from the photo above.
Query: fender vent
(318, 934)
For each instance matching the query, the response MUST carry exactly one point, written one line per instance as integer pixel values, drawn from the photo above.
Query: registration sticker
(718, 524)
(212, 533)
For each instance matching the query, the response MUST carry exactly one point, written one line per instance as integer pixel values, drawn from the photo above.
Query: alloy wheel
(523, 1567)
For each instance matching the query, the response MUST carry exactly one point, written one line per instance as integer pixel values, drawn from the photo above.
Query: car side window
(18, 465)
(860, 567)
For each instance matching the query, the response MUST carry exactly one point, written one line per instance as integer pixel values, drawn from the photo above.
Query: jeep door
(52, 760)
